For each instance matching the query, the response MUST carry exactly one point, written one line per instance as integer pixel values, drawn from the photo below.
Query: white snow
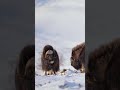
(72, 80)
(60, 23)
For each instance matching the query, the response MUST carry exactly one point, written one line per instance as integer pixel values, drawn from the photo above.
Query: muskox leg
(54, 73)
(50, 72)
(45, 72)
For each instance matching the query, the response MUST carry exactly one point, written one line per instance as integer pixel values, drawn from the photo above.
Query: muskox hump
(25, 56)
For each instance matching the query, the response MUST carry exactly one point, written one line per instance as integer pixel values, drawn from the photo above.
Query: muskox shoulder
(78, 47)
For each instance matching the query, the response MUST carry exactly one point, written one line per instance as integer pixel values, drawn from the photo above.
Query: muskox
(103, 67)
(50, 60)
(78, 57)
(24, 73)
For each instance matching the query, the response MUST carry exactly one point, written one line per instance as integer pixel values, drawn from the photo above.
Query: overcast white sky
(60, 23)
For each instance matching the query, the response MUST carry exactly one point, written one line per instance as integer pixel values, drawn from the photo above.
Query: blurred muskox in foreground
(78, 57)
(25, 70)
(103, 67)
(50, 60)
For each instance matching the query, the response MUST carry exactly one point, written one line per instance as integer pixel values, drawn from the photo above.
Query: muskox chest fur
(50, 60)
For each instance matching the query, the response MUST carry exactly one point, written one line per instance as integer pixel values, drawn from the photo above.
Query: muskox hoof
(63, 71)
(82, 70)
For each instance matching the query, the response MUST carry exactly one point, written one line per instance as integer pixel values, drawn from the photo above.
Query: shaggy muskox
(78, 57)
(103, 67)
(25, 72)
(50, 60)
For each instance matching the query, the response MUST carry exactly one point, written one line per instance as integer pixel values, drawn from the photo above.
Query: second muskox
(78, 57)
(103, 65)
(25, 69)
(49, 60)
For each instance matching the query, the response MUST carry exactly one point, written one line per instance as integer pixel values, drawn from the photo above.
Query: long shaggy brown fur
(24, 75)
(102, 67)
(46, 62)
(78, 57)
(112, 73)
(29, 82)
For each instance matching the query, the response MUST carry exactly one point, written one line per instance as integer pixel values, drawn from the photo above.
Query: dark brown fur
(102, 67)
(24, 80)
(29, 82)
(46, 65)
(112, 72)
(78, 57)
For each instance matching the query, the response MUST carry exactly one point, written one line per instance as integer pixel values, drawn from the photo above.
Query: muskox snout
(82, 68)
(49, 55)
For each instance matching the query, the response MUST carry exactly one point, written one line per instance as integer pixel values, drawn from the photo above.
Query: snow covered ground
(72, 80)
(60, 23)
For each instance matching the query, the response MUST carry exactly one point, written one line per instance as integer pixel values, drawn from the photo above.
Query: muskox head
(24, 74)
(50, 60)
(78, 57)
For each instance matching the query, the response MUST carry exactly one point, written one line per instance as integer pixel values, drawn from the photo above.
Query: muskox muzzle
(75, 63)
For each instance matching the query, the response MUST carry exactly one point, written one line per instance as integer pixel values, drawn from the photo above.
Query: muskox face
(75, 55)
(75, 62)
(49, 56)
